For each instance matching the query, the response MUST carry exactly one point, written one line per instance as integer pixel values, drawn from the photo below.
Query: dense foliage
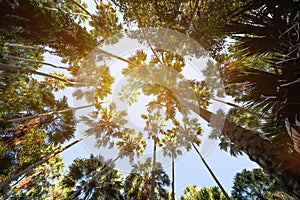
(259, 70)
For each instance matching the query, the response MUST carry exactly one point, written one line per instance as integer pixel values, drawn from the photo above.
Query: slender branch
(66, 12)
(242, 108)
(96, 3)
(211, 172)
(30, 71)
(26, 46)
(45, 159)
(19, 45)
(115, 56)
(82, 8)
(48, 113)
(147, 40)
(36, 62)
(74, 194)
(54, 112)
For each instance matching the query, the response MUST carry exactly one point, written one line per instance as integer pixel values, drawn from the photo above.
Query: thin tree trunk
(211, 173)
(44, 160)
(49, 113)
(82, 8)
(152, 192)
(276, 162)
(21, 45)
(66, 12)
(27, 46)
(173, 178)
(29, 71)
(97, 175)
(36, 62)
(242, 108)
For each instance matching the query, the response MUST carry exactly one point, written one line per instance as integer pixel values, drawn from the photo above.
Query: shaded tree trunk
(29, 71)
(284, 167)
(146, 191)
(152, 192)
(242, 108)
(51, 112)
(173, 178)
(36, 62)
(43, 160)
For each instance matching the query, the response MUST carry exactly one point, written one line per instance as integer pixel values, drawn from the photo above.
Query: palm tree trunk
(152, 192)
(36, 62)
(173, 178)
(241, 108)
(45, 159)
(211, 173)
(49, 113)
(29, 71)
(66, 12)
(55, 112)
(82, 8)
(276, 162)
(18, 45)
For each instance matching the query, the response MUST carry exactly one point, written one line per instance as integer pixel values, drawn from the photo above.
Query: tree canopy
(249, 50)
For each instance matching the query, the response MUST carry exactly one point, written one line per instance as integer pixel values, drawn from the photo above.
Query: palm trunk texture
(282, 166)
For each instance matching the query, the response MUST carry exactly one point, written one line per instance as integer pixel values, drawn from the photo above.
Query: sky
(189, 168)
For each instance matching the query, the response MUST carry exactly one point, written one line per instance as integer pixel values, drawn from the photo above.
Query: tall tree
(271, 158)
(200, 20)
(106, 186)
(138, 183)
(255, 22)
(28, 30)
(256, 184)
(196, 193)
(271, 88)
(37, 182)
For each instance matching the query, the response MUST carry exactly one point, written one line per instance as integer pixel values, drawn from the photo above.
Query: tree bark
(282, 166)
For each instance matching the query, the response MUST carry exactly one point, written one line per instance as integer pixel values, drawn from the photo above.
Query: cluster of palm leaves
(268, 31)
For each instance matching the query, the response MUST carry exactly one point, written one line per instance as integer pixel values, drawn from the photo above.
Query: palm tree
(276, 162)
(273, 159)
(138, 183)
(256, 184)
(40, 162)
(192, 192)
(82, 173)
(211, 173)
(269, 30)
